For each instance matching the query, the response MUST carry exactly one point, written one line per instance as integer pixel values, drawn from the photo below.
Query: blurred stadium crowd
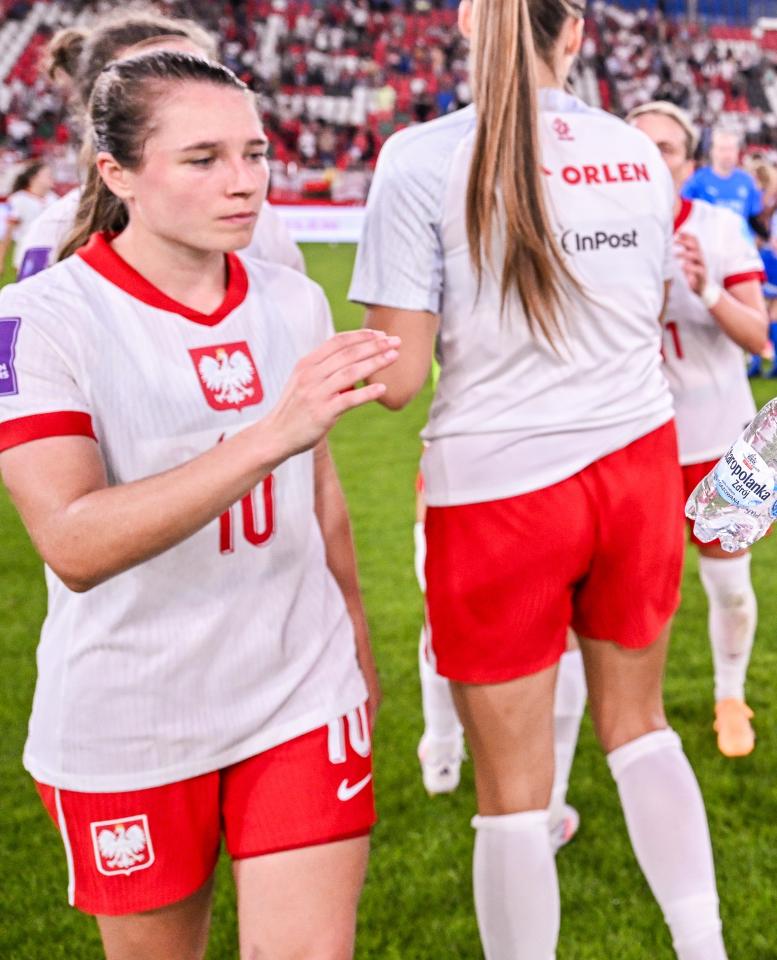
(336, 78)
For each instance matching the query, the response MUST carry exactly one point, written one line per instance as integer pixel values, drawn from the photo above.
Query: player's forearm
(405, 378)
(747, 326)
(110, 530)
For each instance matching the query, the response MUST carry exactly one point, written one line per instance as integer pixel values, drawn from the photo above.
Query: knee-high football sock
(569, 704)
(733, 612)
(419, 554)
(516, 889)
(667, 825)
(441, 722)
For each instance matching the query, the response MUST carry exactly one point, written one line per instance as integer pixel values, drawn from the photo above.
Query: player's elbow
(400, 390)
(78, 586)
(758, 343)
(395, 400)
(758, 339)
(77, 573)
(76, 580)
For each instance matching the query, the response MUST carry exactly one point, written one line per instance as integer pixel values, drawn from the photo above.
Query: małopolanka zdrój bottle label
(744, 479)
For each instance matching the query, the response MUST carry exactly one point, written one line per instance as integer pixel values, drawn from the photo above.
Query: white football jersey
(38, 249)
(510, 415)
(705, 369)
(238, 638)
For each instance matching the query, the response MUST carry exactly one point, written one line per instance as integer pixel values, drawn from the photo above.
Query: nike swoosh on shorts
(347, 791)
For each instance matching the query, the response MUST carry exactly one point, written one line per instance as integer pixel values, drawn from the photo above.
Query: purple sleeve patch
(35, 260)
(9, 328)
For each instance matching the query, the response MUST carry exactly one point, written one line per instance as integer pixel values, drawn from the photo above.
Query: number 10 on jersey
(256, 533)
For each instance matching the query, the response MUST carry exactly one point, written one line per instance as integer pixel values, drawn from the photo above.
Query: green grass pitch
(417, 901)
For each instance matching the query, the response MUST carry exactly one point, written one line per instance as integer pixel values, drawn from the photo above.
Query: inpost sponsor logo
(574, 242)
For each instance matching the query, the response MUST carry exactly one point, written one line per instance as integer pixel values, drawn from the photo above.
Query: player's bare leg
(733, 613)
(301, 904)
(509, 728)
(176, 932)
(661, 800)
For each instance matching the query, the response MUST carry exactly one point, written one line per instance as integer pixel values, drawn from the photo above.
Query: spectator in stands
(19, 131)
(724, 183)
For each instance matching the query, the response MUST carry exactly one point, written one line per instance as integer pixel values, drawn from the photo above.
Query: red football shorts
(145, 849)
(601, 551)
(693, 474)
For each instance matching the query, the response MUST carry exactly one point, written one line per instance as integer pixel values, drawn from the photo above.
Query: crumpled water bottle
(736, 502)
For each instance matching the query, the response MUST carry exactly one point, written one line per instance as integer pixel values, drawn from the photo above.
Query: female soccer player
(199, 665)
(75, 58)
(530, 238)
(31, 194)
(716, 310)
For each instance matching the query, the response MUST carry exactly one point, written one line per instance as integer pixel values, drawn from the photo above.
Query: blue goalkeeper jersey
(737, 192)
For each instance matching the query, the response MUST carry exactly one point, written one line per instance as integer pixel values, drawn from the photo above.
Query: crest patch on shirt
(9, 329)
(228, 375)
(122, 846)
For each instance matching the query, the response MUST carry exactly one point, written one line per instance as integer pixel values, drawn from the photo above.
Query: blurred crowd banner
(729, 12)
(322, 223)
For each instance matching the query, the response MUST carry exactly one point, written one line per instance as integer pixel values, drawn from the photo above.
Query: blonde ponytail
(505, 179)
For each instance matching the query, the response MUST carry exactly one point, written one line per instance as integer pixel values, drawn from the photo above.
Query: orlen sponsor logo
(574, 242)
(601, 173)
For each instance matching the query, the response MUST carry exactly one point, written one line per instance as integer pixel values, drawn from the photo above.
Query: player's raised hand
(321, 387)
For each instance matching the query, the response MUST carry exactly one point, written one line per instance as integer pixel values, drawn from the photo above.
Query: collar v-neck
(101, 256)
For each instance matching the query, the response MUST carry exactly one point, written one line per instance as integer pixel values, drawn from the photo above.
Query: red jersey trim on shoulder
(101, 256)
(683, 213)
(736, 278)
(40, 426)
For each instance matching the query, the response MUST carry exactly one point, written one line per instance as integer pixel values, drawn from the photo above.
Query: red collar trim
(101, 256)
(682, 215)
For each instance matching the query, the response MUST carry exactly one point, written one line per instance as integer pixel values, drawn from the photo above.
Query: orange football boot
(736, 737)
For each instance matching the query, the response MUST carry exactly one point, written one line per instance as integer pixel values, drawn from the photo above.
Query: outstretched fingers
(352, 373)
(327, 355)
(358, 397)
(353, 361)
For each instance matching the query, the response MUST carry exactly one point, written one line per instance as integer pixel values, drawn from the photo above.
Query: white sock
(419, 557)
(441, 722)
(667, 825)
(733, 611)
(516, 888)
(569, 704)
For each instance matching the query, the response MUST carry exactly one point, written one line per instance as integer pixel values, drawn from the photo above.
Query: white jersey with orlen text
(271, 240)
(510, 413)
(706, 369)
(238, 638)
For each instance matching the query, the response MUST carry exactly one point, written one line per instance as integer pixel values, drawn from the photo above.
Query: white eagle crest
(228, 375)
(122, 848)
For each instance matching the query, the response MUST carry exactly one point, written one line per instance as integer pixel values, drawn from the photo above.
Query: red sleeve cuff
(736, 278)
(65, 423)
